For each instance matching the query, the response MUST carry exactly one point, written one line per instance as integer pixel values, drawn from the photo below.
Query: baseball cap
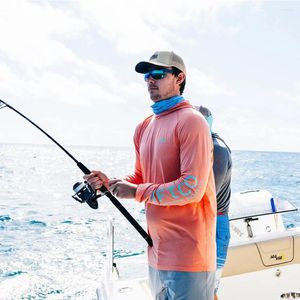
(162, 59)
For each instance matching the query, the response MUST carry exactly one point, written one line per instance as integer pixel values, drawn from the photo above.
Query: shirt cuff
(140, 192)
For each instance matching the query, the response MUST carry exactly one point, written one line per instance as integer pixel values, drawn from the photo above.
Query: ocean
(52, 247)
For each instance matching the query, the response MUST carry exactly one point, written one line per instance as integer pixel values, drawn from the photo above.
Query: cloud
(37, 39)
(9, 82)
(292, 97)
(38, 59)
(31, 32)
(136, 27)
(206, 85)
(92, 84)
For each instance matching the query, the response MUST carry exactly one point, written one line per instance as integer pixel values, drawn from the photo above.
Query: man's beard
(155, 97)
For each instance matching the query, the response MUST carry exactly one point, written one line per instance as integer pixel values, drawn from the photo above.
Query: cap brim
(144, 66)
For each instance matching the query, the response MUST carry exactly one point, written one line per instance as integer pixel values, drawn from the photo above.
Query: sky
(69, 66)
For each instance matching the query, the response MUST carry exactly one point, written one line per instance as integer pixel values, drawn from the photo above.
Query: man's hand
(122, 189)
(96, 179)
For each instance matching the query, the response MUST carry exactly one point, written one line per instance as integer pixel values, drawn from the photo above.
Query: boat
(263, 257)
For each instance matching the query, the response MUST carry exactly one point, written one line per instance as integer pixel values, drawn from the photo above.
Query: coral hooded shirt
(174, 173)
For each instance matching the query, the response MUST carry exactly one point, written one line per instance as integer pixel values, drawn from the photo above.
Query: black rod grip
(83, 168)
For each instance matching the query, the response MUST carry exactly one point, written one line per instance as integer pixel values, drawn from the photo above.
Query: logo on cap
(155, 55)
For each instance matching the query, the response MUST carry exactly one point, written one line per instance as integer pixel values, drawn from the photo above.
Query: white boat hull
(269, 284)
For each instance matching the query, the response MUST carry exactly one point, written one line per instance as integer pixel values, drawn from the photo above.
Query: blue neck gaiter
(163, 105)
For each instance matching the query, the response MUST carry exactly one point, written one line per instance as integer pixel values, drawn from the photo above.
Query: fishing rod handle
(83, 168)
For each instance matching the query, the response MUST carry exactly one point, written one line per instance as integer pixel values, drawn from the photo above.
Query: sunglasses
(157, 74)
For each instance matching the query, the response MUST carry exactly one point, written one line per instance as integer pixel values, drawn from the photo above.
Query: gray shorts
(175, 285)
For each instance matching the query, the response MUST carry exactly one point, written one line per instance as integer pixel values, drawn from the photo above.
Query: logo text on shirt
(186, 188)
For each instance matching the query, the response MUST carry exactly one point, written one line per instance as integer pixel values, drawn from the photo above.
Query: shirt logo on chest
(162, 140)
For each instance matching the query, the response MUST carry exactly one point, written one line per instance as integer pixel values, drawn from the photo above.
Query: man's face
(163, 88)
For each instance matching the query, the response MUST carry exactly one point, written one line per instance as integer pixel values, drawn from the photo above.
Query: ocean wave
(5, 218)
(37, 223)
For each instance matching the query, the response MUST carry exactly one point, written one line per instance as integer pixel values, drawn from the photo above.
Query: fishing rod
(83, 191)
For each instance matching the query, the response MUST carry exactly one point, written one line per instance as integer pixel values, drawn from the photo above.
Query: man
(173, 177)
(222, 172)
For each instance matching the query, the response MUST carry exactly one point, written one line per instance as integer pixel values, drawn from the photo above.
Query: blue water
(52, 247)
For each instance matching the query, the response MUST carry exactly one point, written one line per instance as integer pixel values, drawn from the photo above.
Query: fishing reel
(85, 193)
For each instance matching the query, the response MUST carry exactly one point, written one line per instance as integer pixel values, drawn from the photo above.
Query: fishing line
(84, 192)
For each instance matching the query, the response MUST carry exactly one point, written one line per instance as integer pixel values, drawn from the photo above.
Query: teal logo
(187, 188)
(162, 140)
